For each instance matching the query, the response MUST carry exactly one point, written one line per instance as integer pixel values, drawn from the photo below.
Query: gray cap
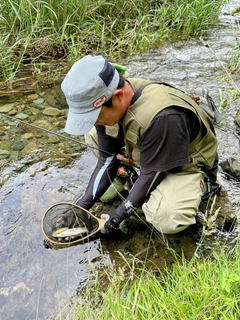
(90, 82)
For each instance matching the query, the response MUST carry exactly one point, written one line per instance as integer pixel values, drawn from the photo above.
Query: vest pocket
(205, 153)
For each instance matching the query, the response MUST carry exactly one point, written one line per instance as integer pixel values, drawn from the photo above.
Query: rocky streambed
(39, 168)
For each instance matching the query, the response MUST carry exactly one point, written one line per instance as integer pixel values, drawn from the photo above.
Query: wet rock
(21, 107)
(56, 98)
(31, 146)
(33, 96)
(27, 135)
(4, 137)
(12, 123)
(21, 116)
(43, 124)
(43, 106)
(6, 108)
(53, 112)
(4, 154)
(232, 167)
(19, 145)
(14, 155)
(60, 158)
(35, 111)
(5, 145)
(37, 133)
(38, 101)
(12, 112)
(53, 139)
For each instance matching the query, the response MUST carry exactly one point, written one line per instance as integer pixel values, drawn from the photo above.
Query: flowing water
(39, 169)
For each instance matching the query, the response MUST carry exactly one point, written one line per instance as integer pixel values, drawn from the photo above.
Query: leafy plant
(113, 28)
(197, 289)
(235, 57)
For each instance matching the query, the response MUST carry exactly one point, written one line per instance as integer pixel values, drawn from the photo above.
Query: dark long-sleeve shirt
(164, 147)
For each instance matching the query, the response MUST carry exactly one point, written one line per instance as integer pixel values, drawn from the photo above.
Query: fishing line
(207, 45)
(55, 134)
(121, 69)
(120, 157)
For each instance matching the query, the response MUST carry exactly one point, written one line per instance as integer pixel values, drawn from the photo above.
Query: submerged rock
(4, 154)
(5, 145)
(53, 139)
(38, 101)
(232, 167)
(53, 112)
(6, 108)
(31, 146)
(21, 116)
(27, 135)
(19, 145)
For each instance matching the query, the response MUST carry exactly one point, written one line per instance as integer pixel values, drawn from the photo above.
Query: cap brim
(81, 123)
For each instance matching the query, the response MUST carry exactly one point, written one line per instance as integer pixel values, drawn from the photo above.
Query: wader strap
(213, 188)
(138, 94)
(140, 90)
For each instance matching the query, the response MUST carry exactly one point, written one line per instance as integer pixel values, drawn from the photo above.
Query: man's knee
(169, 220)
(173, 205)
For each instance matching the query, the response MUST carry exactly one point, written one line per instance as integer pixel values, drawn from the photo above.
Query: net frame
(100, 223)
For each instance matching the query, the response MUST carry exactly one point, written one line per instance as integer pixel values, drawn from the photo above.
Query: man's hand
(195, 98)
(113, 220)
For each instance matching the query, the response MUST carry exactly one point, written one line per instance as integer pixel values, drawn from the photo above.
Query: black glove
(113, 220)
(115, 217)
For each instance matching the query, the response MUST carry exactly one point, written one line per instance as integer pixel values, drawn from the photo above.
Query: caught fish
(66, 232)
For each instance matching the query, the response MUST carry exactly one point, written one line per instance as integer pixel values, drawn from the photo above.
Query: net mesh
(69, 216)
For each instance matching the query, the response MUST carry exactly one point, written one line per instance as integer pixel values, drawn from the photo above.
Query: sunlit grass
(200, 289)
(235, 57)
(113, 28)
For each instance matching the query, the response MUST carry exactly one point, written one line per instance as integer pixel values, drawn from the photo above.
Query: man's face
(109, 116)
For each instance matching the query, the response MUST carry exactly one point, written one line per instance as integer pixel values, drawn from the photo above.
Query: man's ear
(118, 93)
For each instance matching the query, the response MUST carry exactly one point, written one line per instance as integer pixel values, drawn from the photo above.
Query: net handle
(101, 223)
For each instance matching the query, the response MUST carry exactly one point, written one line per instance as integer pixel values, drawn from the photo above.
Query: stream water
(39, 169)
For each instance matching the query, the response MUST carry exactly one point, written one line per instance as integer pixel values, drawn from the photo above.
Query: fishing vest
(153, 99)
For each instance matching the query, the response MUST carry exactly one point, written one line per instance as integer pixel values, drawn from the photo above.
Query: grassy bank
(38, 33)
(196, 290)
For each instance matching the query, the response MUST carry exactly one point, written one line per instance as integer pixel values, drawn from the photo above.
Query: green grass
(234, 54)
(200, 289)
(33, 31)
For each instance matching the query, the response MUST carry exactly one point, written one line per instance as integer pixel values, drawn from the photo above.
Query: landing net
(63, 218)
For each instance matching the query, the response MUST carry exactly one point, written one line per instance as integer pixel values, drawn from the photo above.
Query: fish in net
(66, 222)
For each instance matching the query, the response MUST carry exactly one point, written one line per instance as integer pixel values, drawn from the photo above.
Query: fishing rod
(120, 157)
